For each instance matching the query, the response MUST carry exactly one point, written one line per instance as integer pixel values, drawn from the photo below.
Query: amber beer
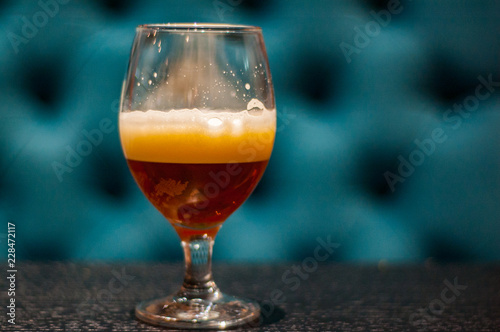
(197, 167)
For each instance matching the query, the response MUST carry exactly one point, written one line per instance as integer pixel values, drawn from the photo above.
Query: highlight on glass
(197, 126)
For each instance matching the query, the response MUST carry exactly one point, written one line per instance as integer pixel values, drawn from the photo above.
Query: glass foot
(179, 312)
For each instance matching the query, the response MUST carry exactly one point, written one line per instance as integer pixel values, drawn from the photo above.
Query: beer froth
(198, 136)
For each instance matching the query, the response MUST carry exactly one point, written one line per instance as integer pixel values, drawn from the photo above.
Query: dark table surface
(330, 297)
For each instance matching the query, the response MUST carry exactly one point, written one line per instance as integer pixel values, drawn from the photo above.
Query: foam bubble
(214, 122)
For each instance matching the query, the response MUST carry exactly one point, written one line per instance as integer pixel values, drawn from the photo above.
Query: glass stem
(198, 280)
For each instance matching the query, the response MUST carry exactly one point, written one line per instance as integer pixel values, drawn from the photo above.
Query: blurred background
(387, 143)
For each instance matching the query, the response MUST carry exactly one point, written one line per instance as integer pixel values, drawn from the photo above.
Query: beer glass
(197, 125)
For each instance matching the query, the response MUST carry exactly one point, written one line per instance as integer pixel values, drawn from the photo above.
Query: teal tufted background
(388, 131)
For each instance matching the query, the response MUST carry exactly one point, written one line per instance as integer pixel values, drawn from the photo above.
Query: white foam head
(193, 135)
(256, 118)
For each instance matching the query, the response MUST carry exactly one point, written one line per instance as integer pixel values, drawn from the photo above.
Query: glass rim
(199, 27)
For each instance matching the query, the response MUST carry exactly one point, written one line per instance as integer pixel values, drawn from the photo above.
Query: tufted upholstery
(348, 115)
